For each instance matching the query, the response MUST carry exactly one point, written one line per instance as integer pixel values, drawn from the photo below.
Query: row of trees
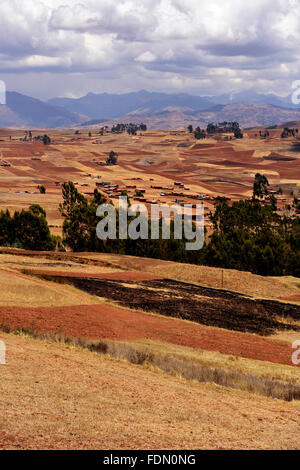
(211, 128)
(27, 229)
(79, 229)
(44, 138)
(251, 236)
(287, 132)
(130, 128)
(247, 235)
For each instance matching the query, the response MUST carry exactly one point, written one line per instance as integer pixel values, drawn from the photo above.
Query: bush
(112, 158)
(42, 189)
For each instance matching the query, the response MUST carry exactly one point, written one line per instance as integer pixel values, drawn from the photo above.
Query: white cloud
(146, 57)
(120, 45)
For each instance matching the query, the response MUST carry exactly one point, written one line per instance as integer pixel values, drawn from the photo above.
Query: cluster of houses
(180, 185)
(178, 191)
(114, 191)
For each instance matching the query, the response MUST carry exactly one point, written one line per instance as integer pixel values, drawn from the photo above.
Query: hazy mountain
(252, 97)
(248, 115)
(251, 115)
(158, 110)
(107, 105)
(21, 110)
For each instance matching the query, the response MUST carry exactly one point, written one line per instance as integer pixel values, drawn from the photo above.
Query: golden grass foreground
(59, 396)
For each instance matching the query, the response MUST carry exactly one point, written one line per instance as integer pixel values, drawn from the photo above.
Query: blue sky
(68, 48)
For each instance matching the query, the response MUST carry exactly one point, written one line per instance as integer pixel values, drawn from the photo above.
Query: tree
(46, 140)
(273, 201)
(37, 210)
(7, 236)
(79, 227)
(72, 199)
(296, 205)
(211, 128)
(190, 129)
(248, 236)
(32, 231)
(42, 189)
(238, 133)
(260, 186)
(199, 134)
(112, 158)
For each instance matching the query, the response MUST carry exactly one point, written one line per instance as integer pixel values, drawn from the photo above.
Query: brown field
(58, 396)
(154, 158)
(104, 321)
(56, 393)
(102, 296)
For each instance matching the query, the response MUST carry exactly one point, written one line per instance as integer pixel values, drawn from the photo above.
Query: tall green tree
(260, 186)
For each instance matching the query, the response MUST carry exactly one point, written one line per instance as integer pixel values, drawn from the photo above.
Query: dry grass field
(285, 288)
(61, 397)
(19, 290)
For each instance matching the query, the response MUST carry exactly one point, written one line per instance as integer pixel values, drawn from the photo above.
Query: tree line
(225, 127)
(28, 229)
(247, 235)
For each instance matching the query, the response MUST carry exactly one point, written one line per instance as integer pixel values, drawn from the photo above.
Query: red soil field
(108, 322)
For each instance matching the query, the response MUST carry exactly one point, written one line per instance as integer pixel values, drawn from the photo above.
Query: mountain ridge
(248, 115)
(22, 110)
(157, 110)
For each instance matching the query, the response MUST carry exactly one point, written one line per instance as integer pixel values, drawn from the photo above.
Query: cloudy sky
(68, 48)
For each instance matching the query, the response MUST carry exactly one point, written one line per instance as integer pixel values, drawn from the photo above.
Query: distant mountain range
(248, 115)
(107, 105)
(252, 97)
(24, 111)
(158, 110)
